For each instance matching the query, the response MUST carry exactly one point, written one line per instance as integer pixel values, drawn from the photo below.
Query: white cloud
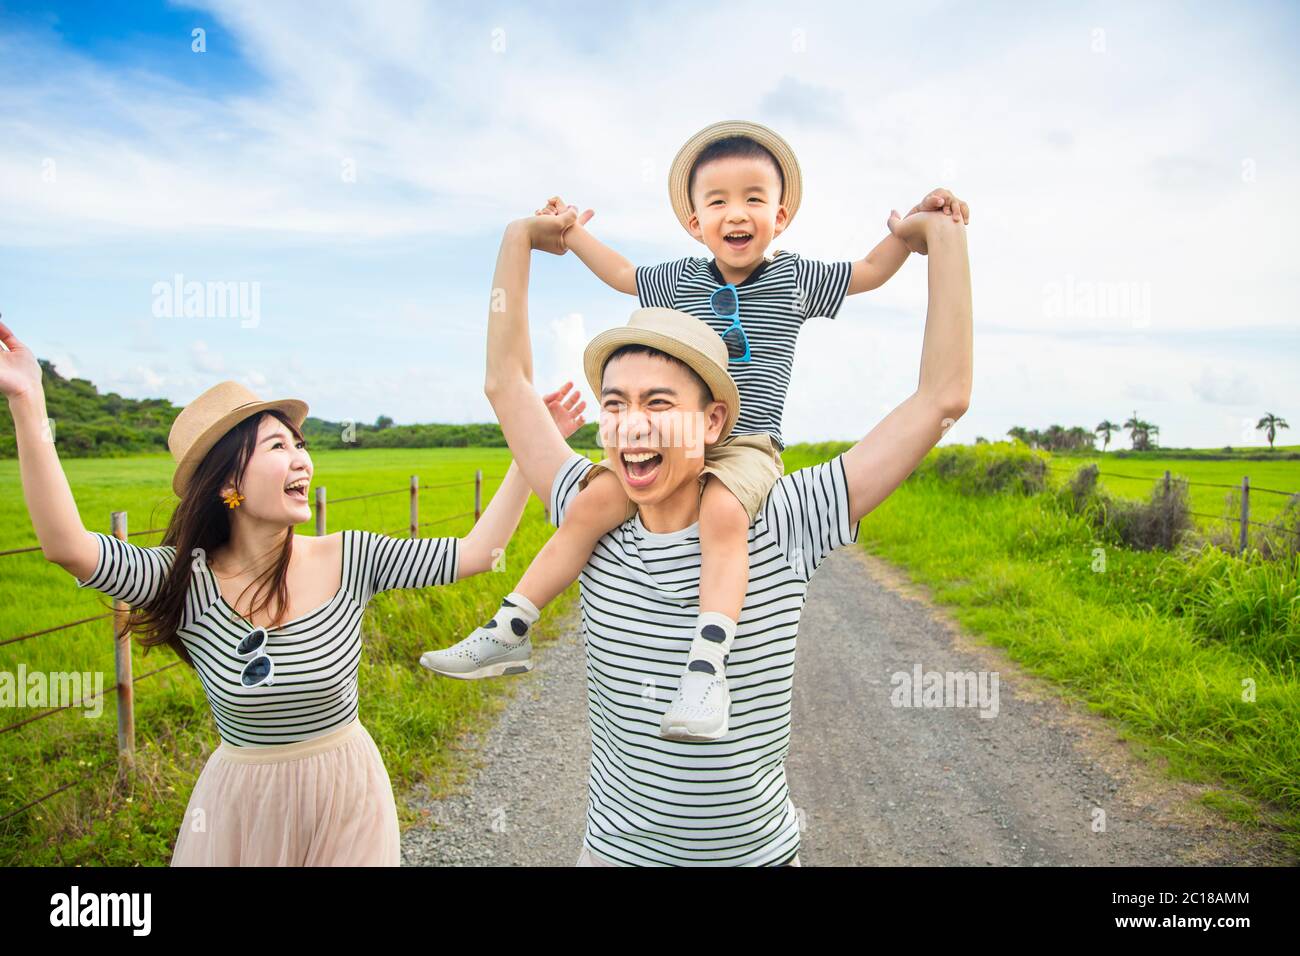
(1218, 386)
(206, 360)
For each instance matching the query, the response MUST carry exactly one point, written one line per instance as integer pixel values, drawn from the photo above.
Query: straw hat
(203, 421)
(680, 171)
(682, 336)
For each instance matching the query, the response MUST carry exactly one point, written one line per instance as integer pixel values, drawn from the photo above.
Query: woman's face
(276, 482)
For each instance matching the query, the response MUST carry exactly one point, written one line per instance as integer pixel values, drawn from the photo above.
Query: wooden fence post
(122, 659)
(1245, 510)
(1165, 531)
(478, 494)
(415, 505)
(320, 511)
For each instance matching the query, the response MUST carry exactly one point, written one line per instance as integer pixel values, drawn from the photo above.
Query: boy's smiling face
(737, 197)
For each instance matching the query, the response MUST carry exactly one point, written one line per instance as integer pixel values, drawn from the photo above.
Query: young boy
(735, 186)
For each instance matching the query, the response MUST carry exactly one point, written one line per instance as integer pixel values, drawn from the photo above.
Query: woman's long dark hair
(201, 522)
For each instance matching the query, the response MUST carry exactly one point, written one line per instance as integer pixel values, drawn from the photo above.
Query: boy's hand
(567, 416)
(941, 198)
(913, 229)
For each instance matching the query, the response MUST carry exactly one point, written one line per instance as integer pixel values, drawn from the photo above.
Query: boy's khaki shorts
(749, 465)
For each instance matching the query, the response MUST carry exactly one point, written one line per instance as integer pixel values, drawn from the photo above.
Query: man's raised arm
(877, 464)
(534, 442)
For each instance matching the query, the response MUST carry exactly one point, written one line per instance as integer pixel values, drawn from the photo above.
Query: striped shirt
(774, 301)
(659, 802)
(316, 655)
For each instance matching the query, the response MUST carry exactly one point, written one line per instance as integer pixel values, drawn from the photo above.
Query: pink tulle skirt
(326, 801)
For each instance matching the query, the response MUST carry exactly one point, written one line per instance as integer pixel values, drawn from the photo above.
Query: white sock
(714, 632)
(511, 621)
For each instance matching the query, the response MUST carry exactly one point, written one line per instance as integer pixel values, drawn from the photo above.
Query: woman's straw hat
(682, 336)
(680, 171)
(203, 421)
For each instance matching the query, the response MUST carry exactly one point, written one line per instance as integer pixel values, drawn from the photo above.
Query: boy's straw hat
(680, 171)
(203, 421)
(682, 336)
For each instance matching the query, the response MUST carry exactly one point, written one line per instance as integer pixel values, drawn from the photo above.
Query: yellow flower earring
(233, 500)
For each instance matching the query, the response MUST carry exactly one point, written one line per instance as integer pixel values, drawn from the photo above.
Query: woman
(269, 620)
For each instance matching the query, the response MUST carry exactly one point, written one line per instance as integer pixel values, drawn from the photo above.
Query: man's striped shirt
(659, 802)
(775, 300)
(316, 655)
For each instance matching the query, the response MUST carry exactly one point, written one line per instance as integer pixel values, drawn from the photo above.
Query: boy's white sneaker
(700, 708)
(482, 654)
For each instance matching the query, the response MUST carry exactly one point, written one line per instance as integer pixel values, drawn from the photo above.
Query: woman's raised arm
(63, 538)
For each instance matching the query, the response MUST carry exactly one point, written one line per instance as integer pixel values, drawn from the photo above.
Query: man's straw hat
(680, 171)
(203, 421)
(682, 336)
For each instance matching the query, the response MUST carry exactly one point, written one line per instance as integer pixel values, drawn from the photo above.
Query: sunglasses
(725, 303)
(261, 668)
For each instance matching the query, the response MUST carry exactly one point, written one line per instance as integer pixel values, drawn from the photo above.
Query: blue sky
(1130, 170)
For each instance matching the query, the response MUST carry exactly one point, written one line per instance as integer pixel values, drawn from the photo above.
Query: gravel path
(875, 784)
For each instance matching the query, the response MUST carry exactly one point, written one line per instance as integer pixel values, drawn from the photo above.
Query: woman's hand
(913, 229)
(942, 199)
(567, 416)
(20, 373)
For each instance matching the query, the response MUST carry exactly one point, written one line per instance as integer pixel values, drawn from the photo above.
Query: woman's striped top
(316, 655)
(659, 802)
(775, 299)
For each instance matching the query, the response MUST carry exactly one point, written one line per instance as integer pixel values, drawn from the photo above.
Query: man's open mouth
(297, 490)
(738, 239)
(641, 466)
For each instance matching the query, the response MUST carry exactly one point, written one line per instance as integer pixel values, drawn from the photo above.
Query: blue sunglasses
(725, 303)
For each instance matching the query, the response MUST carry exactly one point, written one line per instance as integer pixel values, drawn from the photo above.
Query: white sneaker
(482, 654)
(699, 709)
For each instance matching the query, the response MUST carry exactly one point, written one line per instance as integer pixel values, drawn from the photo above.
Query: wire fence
(124, 685)
(1245, 489)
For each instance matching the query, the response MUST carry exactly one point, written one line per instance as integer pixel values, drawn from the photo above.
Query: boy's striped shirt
(775, 300)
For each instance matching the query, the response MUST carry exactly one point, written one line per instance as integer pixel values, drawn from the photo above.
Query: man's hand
(941, 198)
(546, 232)
(566, 414)
(913, 229)
(555, 206)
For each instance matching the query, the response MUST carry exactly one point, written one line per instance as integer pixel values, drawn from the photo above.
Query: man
(658, 801)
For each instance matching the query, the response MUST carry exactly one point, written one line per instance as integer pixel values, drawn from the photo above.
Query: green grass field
(1016, 570)
(1201, 475)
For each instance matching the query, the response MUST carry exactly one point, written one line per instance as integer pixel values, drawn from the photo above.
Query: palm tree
(1141, 432)
(1272, 423)
(1105, 429)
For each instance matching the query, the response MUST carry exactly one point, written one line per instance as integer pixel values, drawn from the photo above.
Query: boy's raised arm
(609, 266)
(879, 265)
(877, 464)
(535, 444)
